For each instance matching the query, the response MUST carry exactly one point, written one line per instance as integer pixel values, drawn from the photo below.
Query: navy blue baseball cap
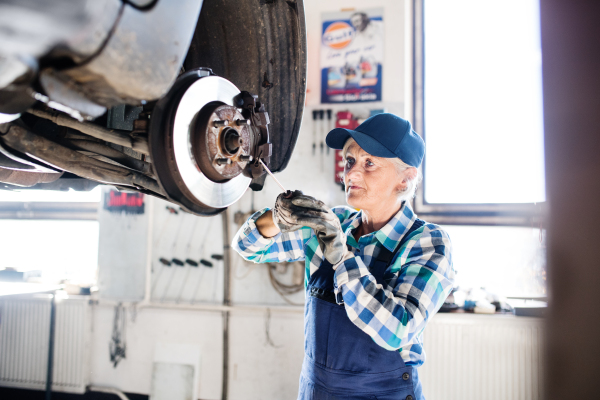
(383, 135)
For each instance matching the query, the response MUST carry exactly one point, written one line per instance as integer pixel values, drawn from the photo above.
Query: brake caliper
(260, 147)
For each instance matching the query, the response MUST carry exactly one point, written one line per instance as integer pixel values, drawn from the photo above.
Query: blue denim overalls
(340, 360)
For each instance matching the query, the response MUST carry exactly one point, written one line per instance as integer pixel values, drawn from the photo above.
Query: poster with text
(351, 56)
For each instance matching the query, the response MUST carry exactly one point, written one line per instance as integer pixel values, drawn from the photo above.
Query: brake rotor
(200, 143)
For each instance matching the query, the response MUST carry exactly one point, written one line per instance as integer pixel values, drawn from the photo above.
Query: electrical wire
(117, 345)
(283, 289)
(268, 329)
(249, 269)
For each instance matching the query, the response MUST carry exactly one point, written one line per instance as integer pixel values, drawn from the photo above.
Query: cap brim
(337, 138)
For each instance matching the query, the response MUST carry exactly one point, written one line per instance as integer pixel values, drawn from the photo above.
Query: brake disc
(200, 143)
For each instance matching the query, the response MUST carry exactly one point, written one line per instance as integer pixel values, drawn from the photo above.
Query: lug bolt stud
(242, 122)
(223, 161)
(218, 123)
(245, 158)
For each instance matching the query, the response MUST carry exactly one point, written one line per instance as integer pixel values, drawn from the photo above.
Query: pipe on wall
(226, 300)
(50, 364)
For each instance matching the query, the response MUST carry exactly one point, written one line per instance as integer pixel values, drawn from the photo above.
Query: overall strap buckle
(323, 295)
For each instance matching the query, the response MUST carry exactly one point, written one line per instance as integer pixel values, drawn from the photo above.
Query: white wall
(260, 366)
(148, 328)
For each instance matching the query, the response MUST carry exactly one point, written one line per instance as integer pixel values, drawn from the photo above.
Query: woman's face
(371, 182)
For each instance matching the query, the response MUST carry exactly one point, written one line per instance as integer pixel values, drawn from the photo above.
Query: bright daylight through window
(483, 102)
(50, 251)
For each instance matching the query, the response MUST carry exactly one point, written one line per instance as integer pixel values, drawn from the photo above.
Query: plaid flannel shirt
(417, 282)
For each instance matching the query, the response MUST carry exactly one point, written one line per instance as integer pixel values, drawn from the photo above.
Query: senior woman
(374, 277)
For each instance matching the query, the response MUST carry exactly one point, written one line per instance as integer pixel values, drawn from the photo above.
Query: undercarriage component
(26, 178)
(38, 27)
(10, 160)
(66, 182)
(200, 143)
(66, 93)
(65, 159)
(112, 154)
(142, 57)
(138, 144)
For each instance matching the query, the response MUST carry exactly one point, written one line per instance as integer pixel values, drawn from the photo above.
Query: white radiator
(24, 336)
(477, 357)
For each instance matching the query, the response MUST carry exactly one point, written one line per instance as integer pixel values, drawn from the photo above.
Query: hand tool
(272, 176)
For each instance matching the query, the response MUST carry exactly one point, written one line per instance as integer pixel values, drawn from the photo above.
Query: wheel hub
(221, 142)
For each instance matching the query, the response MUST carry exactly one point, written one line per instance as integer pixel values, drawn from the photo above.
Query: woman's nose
(353, 173)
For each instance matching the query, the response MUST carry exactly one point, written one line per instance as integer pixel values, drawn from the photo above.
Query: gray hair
(411, 187)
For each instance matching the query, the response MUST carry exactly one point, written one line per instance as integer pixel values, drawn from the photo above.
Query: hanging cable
(283, 289)
(268, 329)
(117, 345)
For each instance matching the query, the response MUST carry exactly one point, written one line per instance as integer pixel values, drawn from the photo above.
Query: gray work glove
(313, 213)
(283, 212)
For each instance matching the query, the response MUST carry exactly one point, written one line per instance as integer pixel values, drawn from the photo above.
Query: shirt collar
(351, 224)
(391, 233)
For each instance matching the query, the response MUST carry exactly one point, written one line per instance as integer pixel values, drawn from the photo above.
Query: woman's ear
(409, 174)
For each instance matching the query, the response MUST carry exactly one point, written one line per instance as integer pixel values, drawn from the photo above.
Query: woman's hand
(279, 219)
(283, 212)
(316, 215)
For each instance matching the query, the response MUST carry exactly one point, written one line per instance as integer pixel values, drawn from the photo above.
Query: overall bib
(341, 361)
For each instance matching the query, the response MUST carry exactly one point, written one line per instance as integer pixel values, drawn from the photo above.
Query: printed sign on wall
(351, 56)
(130, 203)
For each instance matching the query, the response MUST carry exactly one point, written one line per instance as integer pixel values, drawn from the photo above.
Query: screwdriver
(272, 176)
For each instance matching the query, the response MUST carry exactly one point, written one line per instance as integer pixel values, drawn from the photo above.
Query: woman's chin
(353, 201)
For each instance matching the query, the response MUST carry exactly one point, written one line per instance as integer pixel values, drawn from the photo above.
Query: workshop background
(173, 313)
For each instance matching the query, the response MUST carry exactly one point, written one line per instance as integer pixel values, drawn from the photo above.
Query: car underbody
(176, 99)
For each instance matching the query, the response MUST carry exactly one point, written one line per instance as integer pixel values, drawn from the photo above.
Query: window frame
(49, 210)
(515, 214)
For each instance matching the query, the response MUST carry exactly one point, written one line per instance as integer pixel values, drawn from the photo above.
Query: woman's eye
(369, 163)
(349, 162)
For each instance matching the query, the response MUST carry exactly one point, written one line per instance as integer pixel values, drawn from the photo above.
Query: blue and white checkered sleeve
(253, 246)
(394, 314)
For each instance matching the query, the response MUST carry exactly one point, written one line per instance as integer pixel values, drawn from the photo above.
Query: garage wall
(266, 341)
(146, 329)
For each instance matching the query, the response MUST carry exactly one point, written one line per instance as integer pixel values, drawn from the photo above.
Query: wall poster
(351, 56)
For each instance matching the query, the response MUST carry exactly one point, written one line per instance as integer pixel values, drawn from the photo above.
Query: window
(477, 95)
(52, 236)
(478, 103)
(506, 260)
(59, 250)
